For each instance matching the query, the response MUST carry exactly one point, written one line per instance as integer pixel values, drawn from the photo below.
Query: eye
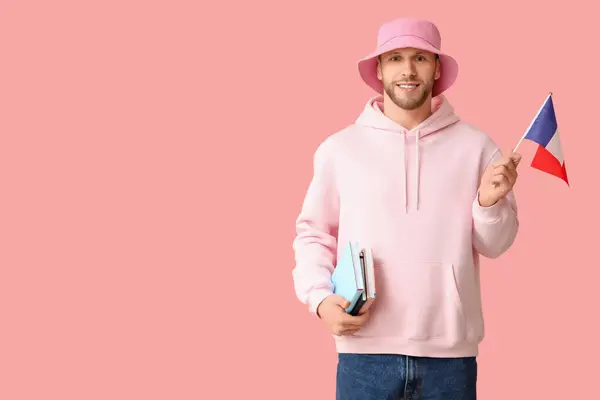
(394, 58)
(420, 58)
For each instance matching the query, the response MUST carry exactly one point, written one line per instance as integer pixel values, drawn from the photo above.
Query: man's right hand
(332, 311)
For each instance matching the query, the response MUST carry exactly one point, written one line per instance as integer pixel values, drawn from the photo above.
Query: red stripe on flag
(546, 162)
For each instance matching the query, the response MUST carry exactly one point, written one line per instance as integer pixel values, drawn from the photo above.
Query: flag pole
(532, 121)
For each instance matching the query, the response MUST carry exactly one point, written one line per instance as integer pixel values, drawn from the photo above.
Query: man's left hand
(498, 179)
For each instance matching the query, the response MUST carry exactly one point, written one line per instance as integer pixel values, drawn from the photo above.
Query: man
(429, 194)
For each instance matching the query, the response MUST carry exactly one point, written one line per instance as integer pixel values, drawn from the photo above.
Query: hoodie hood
(443, 116)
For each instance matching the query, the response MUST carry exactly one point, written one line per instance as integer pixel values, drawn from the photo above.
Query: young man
(429, 194)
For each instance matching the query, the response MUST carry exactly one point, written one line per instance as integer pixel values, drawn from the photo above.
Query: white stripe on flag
(555, 148)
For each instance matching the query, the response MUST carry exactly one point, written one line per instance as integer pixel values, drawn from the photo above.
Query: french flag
(544, 131)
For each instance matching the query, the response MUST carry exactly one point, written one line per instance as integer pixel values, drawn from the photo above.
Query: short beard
(407, 104)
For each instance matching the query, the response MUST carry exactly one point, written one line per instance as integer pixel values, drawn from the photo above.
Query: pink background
(154, 156)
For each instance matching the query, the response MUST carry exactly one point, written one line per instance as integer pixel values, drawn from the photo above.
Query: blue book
(354, 278)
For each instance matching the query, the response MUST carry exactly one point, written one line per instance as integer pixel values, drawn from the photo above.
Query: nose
(408, 69)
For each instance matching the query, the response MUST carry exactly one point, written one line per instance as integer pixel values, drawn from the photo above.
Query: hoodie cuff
(316, 297)
(489, 214)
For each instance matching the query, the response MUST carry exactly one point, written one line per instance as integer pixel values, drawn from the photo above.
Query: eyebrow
(417, 53)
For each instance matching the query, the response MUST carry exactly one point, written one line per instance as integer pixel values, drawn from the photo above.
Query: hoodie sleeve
(495, 227)
(315, 243)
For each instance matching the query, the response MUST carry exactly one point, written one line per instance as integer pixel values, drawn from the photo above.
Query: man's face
(408, 76)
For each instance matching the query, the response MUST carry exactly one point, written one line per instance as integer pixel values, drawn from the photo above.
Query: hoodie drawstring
(417, 172)
(405, 175)
(373, 117)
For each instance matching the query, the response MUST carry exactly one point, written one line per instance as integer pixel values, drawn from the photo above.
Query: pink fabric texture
(411, 196)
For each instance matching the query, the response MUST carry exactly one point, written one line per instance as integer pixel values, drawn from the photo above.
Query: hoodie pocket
(433, 308)
(419, 301)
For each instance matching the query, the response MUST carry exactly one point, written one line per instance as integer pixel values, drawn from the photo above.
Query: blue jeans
(399, 377)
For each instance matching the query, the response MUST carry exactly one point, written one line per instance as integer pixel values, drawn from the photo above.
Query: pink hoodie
(412, 197)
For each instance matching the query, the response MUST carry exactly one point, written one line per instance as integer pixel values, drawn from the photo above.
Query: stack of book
(354, 277)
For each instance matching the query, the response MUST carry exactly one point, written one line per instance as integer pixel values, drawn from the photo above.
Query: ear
(438, 72)
(379, 74)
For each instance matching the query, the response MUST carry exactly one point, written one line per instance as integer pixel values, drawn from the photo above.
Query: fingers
(505, 171)
(503, 181)
(347, 331)
(348, 328)
(348, 324)
(516, 158)
(508, 173)
(511, 162)
(501, 177)
(347, 320)
(500, 182)
(352, 330)
(363, 310)
(360, 320)
(507, 166)
(340, 301)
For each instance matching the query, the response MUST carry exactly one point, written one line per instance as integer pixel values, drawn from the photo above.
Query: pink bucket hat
(403, 33)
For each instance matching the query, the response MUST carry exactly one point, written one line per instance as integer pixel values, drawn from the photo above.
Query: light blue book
(353, 277)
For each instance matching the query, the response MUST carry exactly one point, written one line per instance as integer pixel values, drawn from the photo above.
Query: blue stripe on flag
(544, 126)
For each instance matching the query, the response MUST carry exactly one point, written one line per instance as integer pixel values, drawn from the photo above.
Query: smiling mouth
(407, 86)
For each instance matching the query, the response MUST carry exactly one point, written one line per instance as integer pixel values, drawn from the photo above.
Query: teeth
(407, 86)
